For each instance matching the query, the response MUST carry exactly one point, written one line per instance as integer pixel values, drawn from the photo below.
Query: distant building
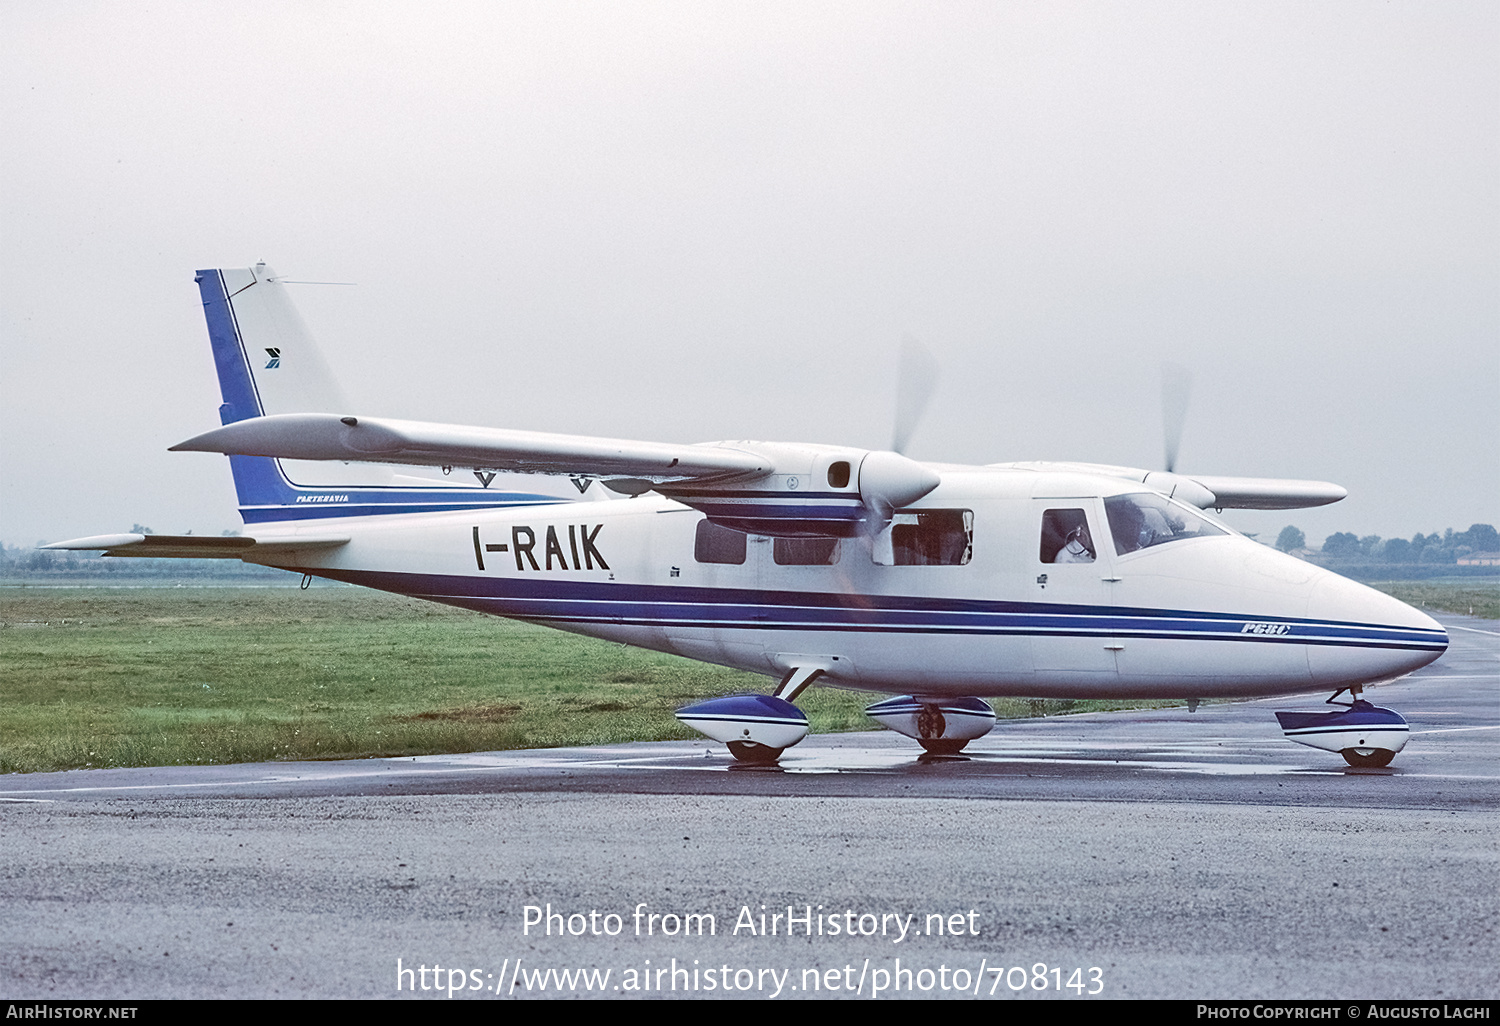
(1480, 559)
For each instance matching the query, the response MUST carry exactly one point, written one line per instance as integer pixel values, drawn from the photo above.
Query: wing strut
(797, 680)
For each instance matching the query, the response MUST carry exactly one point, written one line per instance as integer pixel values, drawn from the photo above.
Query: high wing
(286, 409)
(327, 436)
(773, 488)
(1211, 491)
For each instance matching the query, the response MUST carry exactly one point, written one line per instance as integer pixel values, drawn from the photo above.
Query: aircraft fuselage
(987, 611)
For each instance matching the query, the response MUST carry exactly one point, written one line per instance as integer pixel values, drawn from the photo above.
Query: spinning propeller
(916, 379)
(1176, 387)
(889, 480)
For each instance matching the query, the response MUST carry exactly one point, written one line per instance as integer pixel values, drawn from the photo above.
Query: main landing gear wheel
(754, 754)
(942, 746)
(1370, 758)
(942, 726)
(757, 728)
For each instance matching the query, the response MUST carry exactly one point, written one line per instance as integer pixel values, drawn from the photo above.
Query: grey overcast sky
(692, 221)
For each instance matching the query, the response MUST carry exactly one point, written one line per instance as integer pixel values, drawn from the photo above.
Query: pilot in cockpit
(1076, 549)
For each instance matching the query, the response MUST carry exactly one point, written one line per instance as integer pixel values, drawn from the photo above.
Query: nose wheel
(1367, 736)
(1368, 758)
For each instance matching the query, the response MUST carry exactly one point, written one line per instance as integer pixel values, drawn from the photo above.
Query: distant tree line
(1448, 547)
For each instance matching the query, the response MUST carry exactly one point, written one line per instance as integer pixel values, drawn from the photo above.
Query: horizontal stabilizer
(191, 546)
(326, 436)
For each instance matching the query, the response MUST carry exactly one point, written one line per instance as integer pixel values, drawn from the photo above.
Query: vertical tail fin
(268, 363)
(266, 358)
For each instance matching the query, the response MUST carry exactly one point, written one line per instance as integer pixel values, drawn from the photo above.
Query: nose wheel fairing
(1364, 734)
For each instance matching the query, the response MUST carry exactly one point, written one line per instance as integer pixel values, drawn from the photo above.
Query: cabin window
(715, 544)
(838, 474)
(1143, 520)
(805, 551)
(1066, 538)
(931, 537)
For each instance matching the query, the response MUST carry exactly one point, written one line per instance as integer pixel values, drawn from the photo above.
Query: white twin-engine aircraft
(941, 584)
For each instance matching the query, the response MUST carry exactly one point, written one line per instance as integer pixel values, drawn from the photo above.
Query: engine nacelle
(811, 491)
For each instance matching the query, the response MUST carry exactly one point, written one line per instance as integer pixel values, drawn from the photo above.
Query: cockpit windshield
(1141, 520)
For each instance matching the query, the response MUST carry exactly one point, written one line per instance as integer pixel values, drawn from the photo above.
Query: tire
(942, 746)
(754, 754)
(1377, 758)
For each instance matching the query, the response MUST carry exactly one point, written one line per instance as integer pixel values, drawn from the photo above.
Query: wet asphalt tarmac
(1158, 853)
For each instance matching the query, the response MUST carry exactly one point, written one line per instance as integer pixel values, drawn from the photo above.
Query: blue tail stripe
(235, 383)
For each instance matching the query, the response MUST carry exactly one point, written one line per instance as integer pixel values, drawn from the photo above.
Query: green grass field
(95, 677)
(1475, 596)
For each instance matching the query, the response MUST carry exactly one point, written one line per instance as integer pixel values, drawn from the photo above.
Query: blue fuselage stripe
(362, 506)
(740, 609)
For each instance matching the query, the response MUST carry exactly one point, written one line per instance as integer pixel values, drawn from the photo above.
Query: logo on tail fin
(275, 359)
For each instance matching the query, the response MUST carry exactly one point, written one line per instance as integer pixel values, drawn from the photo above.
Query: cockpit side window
(1065, 537)
(1143, 520)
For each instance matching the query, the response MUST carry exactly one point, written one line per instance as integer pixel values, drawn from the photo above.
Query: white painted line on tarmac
(125, 787)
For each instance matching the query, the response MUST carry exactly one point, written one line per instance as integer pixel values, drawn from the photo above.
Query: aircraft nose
(1367, 636)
